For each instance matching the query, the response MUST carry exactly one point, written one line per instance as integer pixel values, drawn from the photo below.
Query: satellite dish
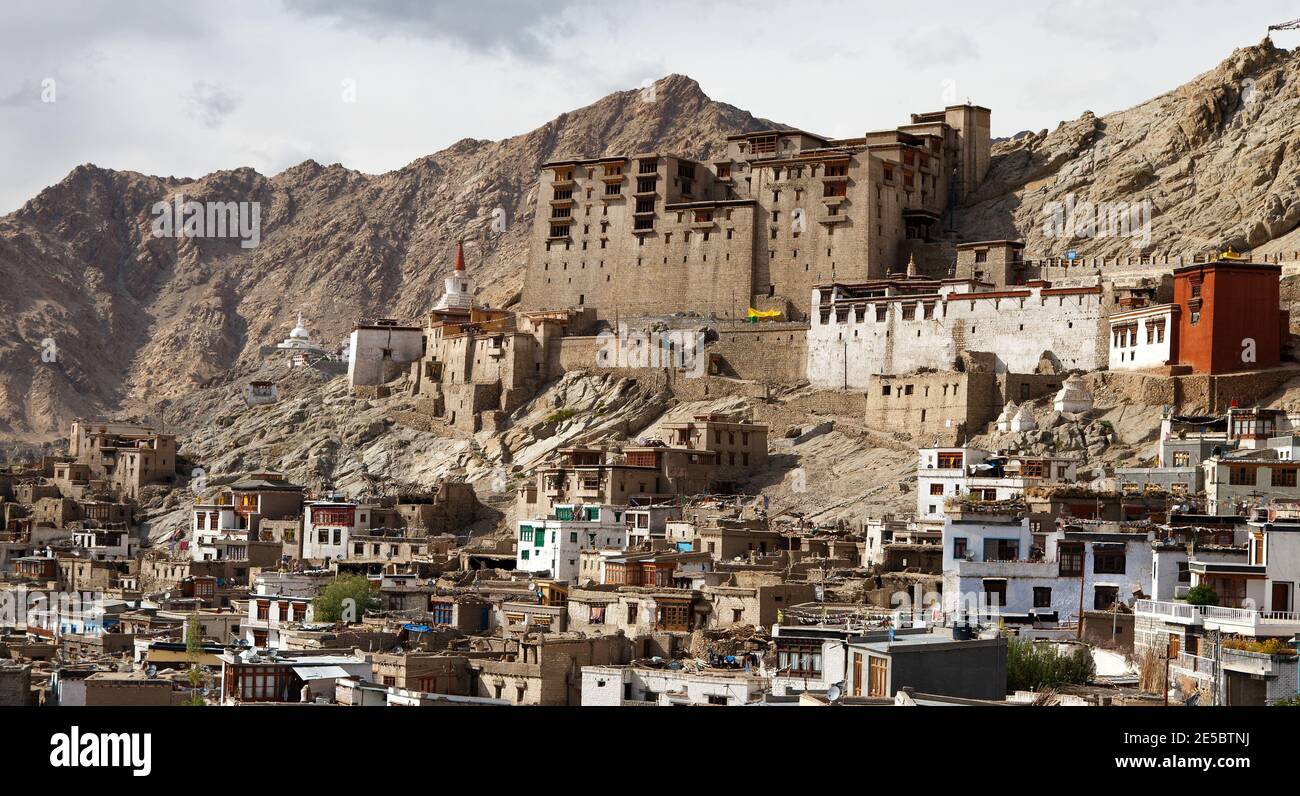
(834, 693)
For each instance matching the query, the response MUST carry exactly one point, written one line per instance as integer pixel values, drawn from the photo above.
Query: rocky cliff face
(1217, 158)
(100, 315)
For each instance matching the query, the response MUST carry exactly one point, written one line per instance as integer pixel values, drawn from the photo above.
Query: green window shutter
(539, 537)
(525, 532)
(593, 512)
(564, 513)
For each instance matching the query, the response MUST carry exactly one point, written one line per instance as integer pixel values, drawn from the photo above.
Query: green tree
(346, 599)
(1202, 595)
(1032, 666)
(193, 650)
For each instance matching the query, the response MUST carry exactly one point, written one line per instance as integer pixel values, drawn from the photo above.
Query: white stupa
(299, 345)
(1024, 419)
(1074, 397)
(1004, 419)
(457, 289)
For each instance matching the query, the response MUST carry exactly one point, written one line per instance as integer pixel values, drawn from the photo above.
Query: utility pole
(1083, 560)
(846, 364)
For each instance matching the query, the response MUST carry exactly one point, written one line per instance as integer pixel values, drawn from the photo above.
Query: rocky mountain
(1218, 158)
(98, 314)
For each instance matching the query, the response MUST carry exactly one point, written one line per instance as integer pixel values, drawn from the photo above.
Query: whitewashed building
(809, 658)
(1246, 479)
(945, 474)
(646, 523)
(1256, 601)
(328, 525)
(214, 527)
(991, 567)
(860, 332)
(268, 614)
(614, 686)
(1143, 338)
(379, 352)
(553, 544)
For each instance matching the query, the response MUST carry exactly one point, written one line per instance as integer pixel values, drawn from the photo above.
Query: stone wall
(15, 685)
(774, 353)
(1018, 327)
(1197, 393)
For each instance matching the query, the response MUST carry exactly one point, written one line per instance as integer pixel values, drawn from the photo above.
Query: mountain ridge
(137, 319)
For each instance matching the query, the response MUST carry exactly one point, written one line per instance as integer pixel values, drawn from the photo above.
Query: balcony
(1228, 620)
(1022, 568)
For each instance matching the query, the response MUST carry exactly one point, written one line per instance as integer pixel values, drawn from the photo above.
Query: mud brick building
(126, 455)
(782, 211)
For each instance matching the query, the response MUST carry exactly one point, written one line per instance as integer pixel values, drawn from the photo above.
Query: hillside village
(757, 428)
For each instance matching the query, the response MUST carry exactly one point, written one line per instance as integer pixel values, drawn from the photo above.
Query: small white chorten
(1004, 419)
(457, 289)
(1024, 419)
(1074, 397)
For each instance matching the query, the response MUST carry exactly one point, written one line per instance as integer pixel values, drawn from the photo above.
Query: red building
(1231, 317)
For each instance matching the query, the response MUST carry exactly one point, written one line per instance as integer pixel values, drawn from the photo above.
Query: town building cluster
(654, 572)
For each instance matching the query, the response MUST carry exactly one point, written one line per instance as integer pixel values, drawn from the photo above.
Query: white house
(1248, 478)
(1144, 337)
(379, 352)
(988, 568)
(645, 685)
(211, 524)
(1256, 600)
(328, 525)
(952, 473)
(553, 544)
(808, 658)
(101, 544)
(649, 522)
(268, 613)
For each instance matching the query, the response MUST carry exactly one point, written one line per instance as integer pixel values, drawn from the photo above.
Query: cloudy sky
(178, 88)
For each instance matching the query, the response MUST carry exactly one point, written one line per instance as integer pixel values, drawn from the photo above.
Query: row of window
(1127, 336)
(1249, 476)
(995, 594)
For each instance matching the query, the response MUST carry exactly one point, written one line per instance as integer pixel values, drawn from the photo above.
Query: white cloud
(186, 89)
